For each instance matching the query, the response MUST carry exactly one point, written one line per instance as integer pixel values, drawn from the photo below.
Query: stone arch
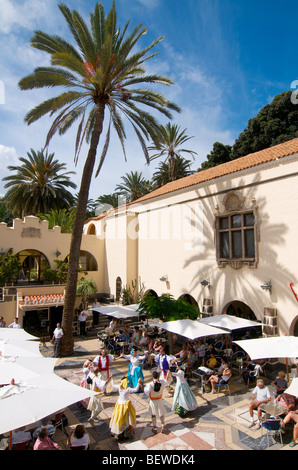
(34, 263)
(91, 230)
(87, 261)
(190, 299)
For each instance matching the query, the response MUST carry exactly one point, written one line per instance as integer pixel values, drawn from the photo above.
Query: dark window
(236, 236)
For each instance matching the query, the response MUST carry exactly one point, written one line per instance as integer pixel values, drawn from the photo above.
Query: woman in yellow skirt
(123, 419)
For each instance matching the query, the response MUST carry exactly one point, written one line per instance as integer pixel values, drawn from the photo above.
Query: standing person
(103, 362)
(82, 321)
(2, 322)
(155, 391)
(135, 371)
(184, 399)
(95, 314)
(57, 339)
(259, 395)
(96, 385)
(123, 419)
(163, 362)
(87, 368)
(15, 324)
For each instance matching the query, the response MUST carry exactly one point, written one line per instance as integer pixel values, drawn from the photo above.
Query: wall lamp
(58, 253)
(164, 278)
(205, 283)
(267, 286)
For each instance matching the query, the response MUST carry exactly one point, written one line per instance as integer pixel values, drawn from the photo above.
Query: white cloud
(23, 15)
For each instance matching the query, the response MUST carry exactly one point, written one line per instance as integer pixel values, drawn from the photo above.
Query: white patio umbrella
(190, 329)
(229, 322)
(118, 311)
(24, 368)
(273, 347)
(23, 348)
(17, 334)
(293, 388)
(26, 403)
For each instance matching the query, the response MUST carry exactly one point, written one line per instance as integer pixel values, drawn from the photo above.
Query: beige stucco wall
(175, 237)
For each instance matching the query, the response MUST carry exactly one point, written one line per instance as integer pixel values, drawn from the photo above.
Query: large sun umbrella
(273, 347)
(19, 348)
(24, 368)
(118, 311)
(17, 334)
(293, 388)
(229, 322)
(25, 403)
(191, 329)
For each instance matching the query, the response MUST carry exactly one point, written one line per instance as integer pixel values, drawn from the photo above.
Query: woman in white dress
(87, 367)
(123, 419)
(184, 399)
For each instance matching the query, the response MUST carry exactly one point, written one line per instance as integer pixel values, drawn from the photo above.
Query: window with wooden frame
(237, 236)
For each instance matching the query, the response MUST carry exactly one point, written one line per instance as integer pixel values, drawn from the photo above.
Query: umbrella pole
(10, 440)
(187, 357)
(287, 364)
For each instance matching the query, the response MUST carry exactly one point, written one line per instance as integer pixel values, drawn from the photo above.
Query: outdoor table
(272, 409)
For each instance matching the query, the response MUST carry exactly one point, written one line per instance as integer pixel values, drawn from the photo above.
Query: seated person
(295, 436)
(211, 363)
(260, 395)
(286, 401)
(220, 378)
(79, 437)
(20, 436)
(280, 383)
(45, 423)
(292, 415)
(43, 442)
(182, 355)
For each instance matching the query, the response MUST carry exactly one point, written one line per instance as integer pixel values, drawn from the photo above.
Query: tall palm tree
(169, 146)
(38, 185)
(101, 73)
(133, 186)
(107, 201)
(63, 218)
(181, 169)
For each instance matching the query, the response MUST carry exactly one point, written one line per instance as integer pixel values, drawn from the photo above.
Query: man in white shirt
(259, 395)
(82, 321)
(155, 391)
(15, 324)
(57, 339)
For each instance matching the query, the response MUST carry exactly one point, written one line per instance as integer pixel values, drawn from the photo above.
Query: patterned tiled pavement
(219, 423)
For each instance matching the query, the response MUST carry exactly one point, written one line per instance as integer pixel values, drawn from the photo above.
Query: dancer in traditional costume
(155, 391)
(184, 399)
(103, 362)
(96, 385)
(123, 419)
(87, 367)
(163, 362)
(135, 369)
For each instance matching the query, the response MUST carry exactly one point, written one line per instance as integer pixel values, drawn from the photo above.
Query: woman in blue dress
(135, 368)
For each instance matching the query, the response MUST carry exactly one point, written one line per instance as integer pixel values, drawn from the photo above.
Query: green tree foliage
(133, 186)
(166, 308)
(169, 146)
(62, 218)
(276, 123)
(163, 174)
(10, 267)
(38, 185)
(85, 289)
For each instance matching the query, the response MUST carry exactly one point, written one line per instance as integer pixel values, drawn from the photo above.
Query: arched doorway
(151, 292)
(34, 264)
(294, 327)
(190, 299)
(87, 261)
(91, 230)
(239, 309)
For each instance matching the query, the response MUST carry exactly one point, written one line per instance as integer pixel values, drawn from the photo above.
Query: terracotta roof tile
(253, 159)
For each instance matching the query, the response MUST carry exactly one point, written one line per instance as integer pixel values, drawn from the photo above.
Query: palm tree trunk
(76, 238)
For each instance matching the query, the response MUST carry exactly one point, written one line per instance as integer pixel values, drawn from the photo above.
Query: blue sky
(227, 58)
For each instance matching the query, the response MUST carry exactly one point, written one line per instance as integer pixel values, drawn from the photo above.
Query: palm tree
(181, 169)
(133, 186)
(38, 185)
(85, 289)
(62, 218)
(169, 145)
(101, 73)
(107, 201)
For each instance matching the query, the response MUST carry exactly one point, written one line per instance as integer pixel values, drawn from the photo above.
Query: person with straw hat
(123, 419)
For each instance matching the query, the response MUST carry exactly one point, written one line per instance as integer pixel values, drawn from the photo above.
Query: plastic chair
(20, 446)
(272, 427)
(225, 385)
(114, 347)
